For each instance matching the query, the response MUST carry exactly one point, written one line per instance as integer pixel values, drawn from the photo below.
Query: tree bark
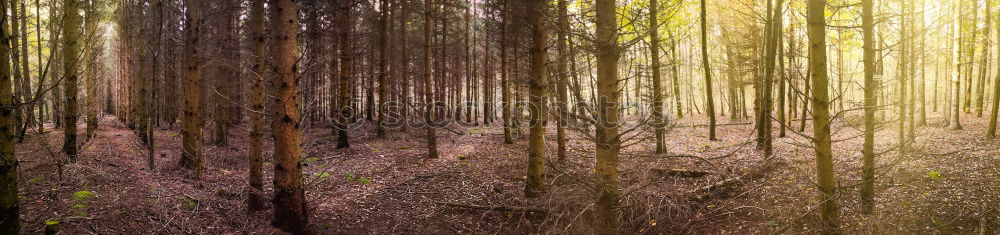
(429, 110)
(868, 150)
(710, 101)
(828, 211)
(608, 141)
(290, 211)
(654, 52)
(255, 201)
(71, 30)
(191, 130)
(9, 203)
(535, 184)
(956, 124)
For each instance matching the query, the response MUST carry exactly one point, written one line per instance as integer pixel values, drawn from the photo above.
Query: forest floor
(948, 183)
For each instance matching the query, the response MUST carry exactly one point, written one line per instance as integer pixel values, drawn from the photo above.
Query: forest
(499, 117)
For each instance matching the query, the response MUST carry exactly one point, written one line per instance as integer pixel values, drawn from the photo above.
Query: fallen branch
(708, 191)
(495, 208)
(682, 172)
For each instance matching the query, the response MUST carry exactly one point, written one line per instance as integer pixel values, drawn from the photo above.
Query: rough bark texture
(538, 87)
(710, 101)
(255, 201)
(868, 166)
(345, 111)
(9, 205)
(828, 211)
(290, 213)
(955, 123)
(191, 128)
(562, 85)
(383, 94)
(428, 82)
(607, 141)
(71, 29)
(654, 52)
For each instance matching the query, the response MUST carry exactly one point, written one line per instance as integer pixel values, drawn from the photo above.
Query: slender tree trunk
(9, 203)
(608, 141)
(290, 211)
(985, 62)
(91, 80)
(828, 211)
(191, 131)
(383, 74)
(345, 113)
(562, 85)
(255, 200)
(71, 30)
(956, 124)
(539, 85)
(429, 110)
(504, 80)
(868, 166)
(766, 101)
(654, 52)
(992, 132)
(710, 103)
(904, 73)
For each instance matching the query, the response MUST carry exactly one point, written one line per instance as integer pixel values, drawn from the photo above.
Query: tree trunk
(504, 80)
(255, 201)
(828, 211)
(539, 85)
(710, 103)
(562, 85)
(383, 93)
(868, 166)
(191, 131)
(956, 124)
(345, 111)
(429, 109)
(71, 28)
(654, 52)
(608, 141)
(290, 211)
(9, 205)
(984, 63)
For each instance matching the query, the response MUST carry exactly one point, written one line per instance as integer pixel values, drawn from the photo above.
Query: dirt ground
(948, 183)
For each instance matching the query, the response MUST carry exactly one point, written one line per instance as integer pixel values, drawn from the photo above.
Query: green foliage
(935, 175)
(83, 196)
(310, 160)
(188, 202)
(322, 175)
(36, 180)
(351, 178)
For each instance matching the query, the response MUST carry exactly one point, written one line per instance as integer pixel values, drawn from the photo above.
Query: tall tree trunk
(772, 50)
(654, 52)
(504, 80)
(710, 103)
(828, 211)
(255, 200)
(383, 93)
(904, 73)
(345, 112)
(985, 62)
(956, 124)
(91, 56)
(191, 128)
(290, 211)
(429, 109)
(562, 84)
(9, 203)
(71, 30)
(868, 166)
(608, 141)
(539, 85)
